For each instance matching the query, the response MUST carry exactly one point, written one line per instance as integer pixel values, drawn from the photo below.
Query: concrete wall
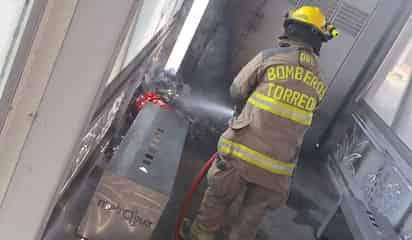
(256, 26)
(56, 97)
(33, 83)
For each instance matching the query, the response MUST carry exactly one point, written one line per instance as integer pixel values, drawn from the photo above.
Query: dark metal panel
(123, 210)
(350, 19)
(385, 18)
(368, 161)
(150, 152)
(138, 182)
(353, 221)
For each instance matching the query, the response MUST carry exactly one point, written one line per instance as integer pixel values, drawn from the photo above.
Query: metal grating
(350, 19)
(346, 17)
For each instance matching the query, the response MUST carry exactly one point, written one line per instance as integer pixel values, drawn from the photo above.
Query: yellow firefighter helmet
(310, 15)
(314, 17)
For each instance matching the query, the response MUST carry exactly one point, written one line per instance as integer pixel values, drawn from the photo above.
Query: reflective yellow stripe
(255, 158)
(281, 109)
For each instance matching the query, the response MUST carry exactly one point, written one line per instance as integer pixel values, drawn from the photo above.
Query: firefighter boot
(184, 230)
(198, 232)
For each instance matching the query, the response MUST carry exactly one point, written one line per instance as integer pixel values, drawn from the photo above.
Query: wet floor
(279, 224)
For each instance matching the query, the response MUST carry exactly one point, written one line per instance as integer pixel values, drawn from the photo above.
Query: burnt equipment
(136, 186)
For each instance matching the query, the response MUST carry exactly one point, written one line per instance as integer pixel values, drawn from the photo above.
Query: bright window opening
(13, 18)
(150, 19)
(390, 94)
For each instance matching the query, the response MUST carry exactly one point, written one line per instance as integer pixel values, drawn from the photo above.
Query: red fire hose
(189, 195)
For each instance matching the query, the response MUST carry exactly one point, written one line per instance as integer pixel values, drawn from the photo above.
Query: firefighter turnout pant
(227, 188)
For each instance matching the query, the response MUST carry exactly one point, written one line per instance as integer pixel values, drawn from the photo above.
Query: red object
(189, 195)
(149, 97)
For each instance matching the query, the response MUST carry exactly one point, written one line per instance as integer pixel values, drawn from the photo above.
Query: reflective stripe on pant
(281, 109)
(225, 187)
(253, 157)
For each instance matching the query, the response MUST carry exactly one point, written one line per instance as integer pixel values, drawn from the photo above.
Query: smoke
(208, 117)
(203, 105)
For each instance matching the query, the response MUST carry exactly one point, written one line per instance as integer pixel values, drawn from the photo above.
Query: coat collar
(286, 42)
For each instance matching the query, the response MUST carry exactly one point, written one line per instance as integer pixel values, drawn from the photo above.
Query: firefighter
(276, 95)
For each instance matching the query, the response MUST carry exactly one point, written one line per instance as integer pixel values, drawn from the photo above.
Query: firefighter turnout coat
(280, 89)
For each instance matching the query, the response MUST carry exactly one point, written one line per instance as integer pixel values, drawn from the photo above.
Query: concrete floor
(298, 221)
(279, 224)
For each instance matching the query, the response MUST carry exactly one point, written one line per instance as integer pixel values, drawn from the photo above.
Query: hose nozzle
(332, 32)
